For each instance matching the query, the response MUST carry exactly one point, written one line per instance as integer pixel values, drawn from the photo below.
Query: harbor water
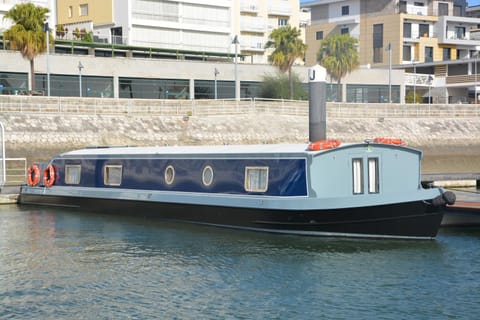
(63, 264)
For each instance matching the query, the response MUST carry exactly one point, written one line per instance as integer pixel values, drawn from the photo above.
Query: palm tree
(338, 54)
(26, 35)
(288, 48)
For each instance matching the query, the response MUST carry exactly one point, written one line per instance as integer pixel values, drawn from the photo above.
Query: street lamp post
(389, 48)
(80, 67)
(476, 94)
(46, 29)
(237, 90)
(216, 73)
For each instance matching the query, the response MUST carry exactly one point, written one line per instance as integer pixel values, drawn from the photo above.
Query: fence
(229, 107)
(15, 171)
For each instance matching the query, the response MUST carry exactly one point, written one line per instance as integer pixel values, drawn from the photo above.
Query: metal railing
(16, 171)
(112, 106)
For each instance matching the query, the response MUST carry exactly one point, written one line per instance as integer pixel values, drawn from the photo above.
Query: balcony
(421, 80)
(249, 6)
(279, 10)
(458, 31)
(253, 24)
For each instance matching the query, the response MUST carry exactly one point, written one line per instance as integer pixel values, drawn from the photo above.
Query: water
(59, 264)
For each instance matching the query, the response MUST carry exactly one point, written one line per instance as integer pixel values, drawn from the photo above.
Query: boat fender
(444, 199)
(49, 176)
(33, 175)
(323, 144)
(449, 197)
(397, 142)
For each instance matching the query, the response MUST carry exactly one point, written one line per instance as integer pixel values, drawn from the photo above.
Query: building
(202, 25)
(432, 40)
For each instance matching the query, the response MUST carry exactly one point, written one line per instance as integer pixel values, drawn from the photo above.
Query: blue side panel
(287, 177)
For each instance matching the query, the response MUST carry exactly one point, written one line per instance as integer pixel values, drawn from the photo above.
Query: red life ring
(49, 176)
(398, 142)
(33, 175)
(324, 144)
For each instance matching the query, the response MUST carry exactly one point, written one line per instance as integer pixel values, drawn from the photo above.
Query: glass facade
(372, 93)
(69, 85)
(13, 82)
(141, 88)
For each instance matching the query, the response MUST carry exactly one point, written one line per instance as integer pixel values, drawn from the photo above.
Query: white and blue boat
(365, 189)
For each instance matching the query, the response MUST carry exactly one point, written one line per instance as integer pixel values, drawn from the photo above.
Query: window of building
(112, 175)
(70, 11)
(319, 35)
(447, 54)
(428, 54)
(372, 93)
(407, 53)
(407, 30)
(169, 175)
(344, 30)
(357, 166)
(72, 174)
(256, 179)
(424, 30)
(402, 6)
(418, 4)
(377, 43)
(373, 179)
(83, 10)
(442, 9)
(282, 22)
(460, 32)
(207, 176)
(457, 10)
(345, 10)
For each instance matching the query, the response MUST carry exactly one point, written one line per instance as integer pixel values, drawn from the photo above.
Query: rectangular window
(112, 175)
(443, 9)
(446, 53)
(373, 179)
(407, 53)
(424, 30)
(357, 166)
(344, 30)
(319, 35)
(345, 10)
(458, 11)
(402, 6)
(377, 43)
(418, 4)
(72, 174)
(70, 11)
(407, 30)
(282, 22)
(428, 54)
(84, 10)
(256, 179)
(460, 32)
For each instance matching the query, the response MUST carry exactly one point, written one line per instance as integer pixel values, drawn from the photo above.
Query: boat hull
(462, 214)
(416, 219)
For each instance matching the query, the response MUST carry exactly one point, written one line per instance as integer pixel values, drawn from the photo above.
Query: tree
(338, 54)
(27, 35)
(288, 48)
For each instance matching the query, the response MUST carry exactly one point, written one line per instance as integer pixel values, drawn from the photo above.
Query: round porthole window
(169, 174)
(207, 176)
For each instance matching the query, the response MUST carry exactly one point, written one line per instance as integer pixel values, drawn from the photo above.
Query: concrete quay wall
(449, 145)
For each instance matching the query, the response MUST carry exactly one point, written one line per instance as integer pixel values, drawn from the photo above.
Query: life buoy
(49, 176)
(33, 175)
(398, 142)
(323, 144)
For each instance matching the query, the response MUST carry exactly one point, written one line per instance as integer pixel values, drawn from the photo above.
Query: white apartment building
(201, 25)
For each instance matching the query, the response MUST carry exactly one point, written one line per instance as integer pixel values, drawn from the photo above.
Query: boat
(365, 189)
(324, 187)
(462, 214)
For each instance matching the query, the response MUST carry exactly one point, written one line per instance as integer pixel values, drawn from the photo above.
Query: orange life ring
(398, 142)
(323, 144)
(49, 176)
(33, 175)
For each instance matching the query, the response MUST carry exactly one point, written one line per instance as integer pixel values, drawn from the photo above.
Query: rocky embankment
(449, 144)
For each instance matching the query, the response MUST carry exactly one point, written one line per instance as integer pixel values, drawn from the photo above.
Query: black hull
(402, 220)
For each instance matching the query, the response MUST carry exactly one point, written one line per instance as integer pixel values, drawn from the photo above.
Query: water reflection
(59, 264)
